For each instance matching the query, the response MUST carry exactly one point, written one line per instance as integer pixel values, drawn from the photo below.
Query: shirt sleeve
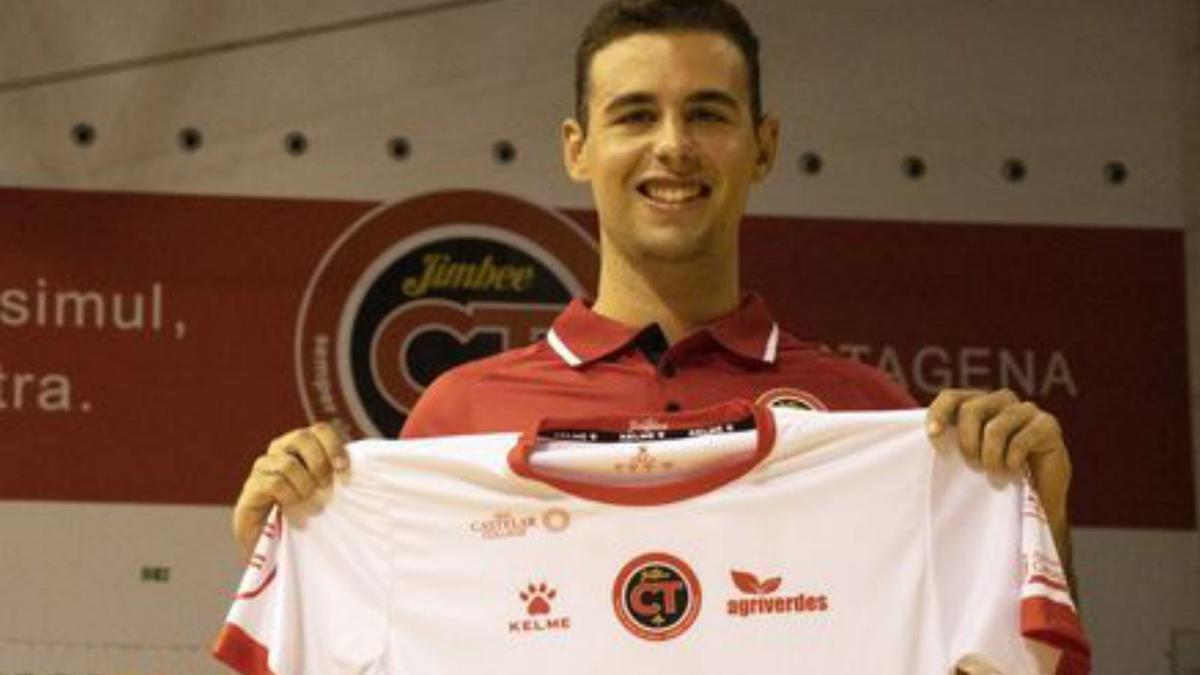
(313, 598)
(1001, 591)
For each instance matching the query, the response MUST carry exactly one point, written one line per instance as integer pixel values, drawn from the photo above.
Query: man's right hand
(294, 466)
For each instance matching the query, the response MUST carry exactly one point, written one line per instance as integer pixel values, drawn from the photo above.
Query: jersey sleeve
(1001, 591)
(313, 598)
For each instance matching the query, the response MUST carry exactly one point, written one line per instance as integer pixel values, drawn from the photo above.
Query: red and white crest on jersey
(656, 596)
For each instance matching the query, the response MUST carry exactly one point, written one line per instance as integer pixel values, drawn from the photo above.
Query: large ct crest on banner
(418, 286)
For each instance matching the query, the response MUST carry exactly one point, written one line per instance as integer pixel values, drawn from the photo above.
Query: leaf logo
(748, 583)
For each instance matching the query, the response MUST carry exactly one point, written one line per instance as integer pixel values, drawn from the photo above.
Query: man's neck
(679, 297)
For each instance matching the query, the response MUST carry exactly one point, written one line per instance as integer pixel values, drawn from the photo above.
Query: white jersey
(734, 539)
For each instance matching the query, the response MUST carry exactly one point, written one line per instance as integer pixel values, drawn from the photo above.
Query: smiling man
(670, 134)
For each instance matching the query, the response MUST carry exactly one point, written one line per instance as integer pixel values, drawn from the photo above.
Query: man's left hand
(1000, 432)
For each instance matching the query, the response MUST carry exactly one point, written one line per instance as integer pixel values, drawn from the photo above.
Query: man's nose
(674, 147)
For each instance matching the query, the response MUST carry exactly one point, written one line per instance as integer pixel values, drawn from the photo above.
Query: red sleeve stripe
(1057, 625)
(1047, 581)
(236, 649)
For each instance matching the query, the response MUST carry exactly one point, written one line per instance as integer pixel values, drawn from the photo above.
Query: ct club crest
(416, 287)
(656, 596)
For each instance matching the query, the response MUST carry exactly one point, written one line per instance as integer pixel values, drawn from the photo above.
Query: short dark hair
(621, 18)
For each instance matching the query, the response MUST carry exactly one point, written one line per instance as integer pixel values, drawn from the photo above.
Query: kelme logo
(419, 286)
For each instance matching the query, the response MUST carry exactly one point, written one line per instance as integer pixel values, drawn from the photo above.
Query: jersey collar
(580, 336)
(646, 430)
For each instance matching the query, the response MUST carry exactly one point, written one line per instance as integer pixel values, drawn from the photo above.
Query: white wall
(1065, 86)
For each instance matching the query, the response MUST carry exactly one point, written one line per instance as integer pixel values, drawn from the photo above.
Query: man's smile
(673, 193)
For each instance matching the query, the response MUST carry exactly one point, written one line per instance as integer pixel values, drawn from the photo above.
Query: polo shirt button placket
(667, 371)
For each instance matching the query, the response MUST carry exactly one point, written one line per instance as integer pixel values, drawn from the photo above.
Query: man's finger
(976, 412)
(333, 445)
(943, 411)
(998, 432)
(280, 445)
(266, 486)
(1040, 436)
(285, 471)
(308, 448)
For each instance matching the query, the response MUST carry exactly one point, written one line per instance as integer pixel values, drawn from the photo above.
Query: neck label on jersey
(647, 429)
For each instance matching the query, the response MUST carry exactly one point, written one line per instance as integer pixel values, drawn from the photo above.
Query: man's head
(622, 18)
(670, 136)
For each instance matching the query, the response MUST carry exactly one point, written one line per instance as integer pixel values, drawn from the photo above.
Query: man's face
(671, 147)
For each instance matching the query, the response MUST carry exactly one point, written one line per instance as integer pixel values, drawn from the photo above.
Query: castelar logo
(656, 596)
(503, 524)
(416, 287)
(760, 598)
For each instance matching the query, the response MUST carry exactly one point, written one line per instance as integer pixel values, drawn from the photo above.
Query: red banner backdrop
(151, 345)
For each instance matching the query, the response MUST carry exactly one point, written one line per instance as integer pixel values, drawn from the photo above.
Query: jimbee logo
(656, 596)
(417, 287)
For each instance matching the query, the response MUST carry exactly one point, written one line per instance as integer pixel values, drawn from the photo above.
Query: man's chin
(673, 249)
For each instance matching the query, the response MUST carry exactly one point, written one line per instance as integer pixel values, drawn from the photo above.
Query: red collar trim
(748, 331)
(580, 336)
(650, 495)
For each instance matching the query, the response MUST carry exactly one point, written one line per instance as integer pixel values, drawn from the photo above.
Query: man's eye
(636, 117)
(706, 115)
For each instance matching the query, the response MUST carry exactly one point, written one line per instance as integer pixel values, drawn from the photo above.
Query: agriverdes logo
(656, 596)
(762, 598)
(417, 287)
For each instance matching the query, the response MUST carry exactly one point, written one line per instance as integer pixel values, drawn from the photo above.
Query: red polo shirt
(590, 365)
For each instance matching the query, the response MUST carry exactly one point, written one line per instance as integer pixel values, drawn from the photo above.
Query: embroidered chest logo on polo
(786, 397)
(414, 288)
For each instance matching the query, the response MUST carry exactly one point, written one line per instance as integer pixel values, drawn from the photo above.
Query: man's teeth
(673, 194)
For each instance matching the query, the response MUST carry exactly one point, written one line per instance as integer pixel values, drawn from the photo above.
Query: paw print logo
(537, 598)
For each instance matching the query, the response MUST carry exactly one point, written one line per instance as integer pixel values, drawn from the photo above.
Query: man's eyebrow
(630, 99)
(646, 98)
(714, 96)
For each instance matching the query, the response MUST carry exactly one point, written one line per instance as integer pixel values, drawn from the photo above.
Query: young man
(670, 134)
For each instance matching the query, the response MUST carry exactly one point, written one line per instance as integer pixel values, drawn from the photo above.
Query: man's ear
(574, 150)
(767, 135)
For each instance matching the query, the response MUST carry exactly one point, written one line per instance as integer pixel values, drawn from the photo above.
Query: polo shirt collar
(581, 336)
